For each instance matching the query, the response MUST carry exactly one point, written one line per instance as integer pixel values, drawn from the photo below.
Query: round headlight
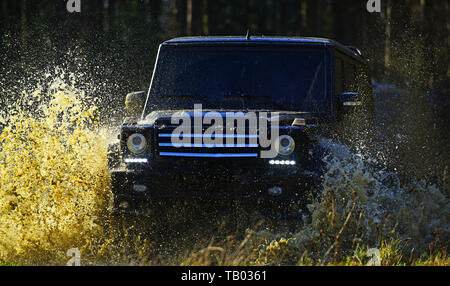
(285, 145)
(137, 143)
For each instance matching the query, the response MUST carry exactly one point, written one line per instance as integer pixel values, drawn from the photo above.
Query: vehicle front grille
(231, 146)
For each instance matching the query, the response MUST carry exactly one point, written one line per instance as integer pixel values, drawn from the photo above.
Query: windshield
(269, 78)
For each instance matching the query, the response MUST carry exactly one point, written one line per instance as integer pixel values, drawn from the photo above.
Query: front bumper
(210, 181)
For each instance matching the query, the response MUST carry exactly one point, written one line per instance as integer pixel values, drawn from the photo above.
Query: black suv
(302, 88)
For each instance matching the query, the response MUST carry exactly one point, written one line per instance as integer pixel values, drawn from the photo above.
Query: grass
(9, 264)
(203, 241)
(230, 253)
(390, 254)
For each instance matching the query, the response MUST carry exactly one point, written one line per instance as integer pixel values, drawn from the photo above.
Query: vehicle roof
(265, 40)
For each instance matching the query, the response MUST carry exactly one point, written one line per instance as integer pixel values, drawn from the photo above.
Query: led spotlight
(282, 162)
(136, 160)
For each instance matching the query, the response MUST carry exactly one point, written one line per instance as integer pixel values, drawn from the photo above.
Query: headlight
(285, 145)
(137, 143)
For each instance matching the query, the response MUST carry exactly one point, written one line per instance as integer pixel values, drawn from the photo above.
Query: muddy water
(363, 204)
(54, 195)
(54, 182)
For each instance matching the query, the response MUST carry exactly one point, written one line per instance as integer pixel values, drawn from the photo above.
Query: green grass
(9, 264)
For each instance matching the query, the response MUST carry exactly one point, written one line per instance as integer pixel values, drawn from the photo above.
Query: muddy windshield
(270, 78)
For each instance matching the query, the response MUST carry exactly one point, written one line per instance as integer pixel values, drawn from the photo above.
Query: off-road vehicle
(309, 86)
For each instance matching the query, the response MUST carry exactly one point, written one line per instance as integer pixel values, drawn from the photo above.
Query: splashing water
(361, 205)
(55, 183)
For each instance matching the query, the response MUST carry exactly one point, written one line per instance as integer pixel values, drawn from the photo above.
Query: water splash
(360, 204)
(55, 183)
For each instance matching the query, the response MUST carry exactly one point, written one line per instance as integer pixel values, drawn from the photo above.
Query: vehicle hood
(285, 118)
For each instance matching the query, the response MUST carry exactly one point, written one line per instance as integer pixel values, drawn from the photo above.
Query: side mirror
(349, 100)
(135, 102)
